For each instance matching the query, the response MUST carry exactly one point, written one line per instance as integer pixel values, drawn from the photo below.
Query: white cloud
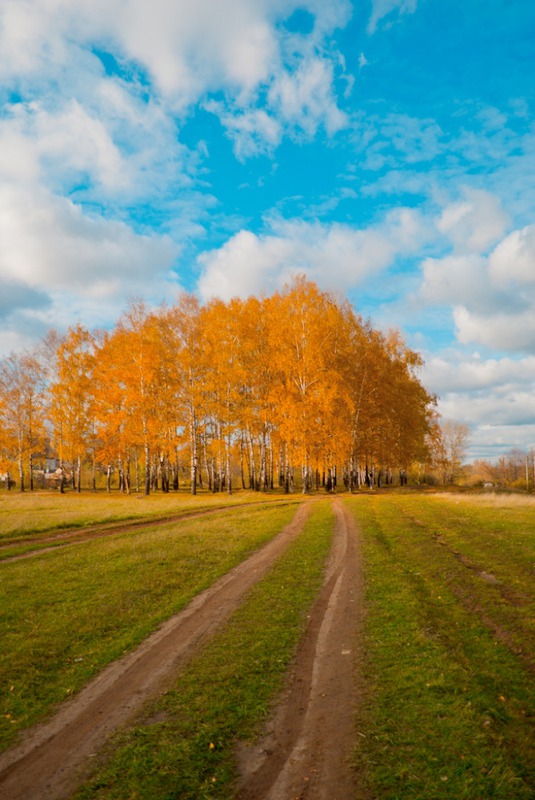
(454, 372)
(493, 298)
(512, 332)
(15, 295)
(383, 8)
(493, 396)
(35, 143)
(463, 281)
(514, 258)
(336, 256)
(188, 50)
(474, 223)
(253, 132)
(49, 244)
(305, 98)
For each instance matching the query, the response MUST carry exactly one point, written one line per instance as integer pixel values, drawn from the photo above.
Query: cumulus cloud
(475, 222)
(493, 395)
(334, 255)
(463, 281)
(16, 295)
(490, 295)
(513, 332)
(455, 372)
(185, 50)
(49, 244)
(35, 143)
(507, 320)
(514, 258)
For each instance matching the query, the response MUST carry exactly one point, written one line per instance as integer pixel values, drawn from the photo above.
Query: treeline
(291, 388)
(514, 470)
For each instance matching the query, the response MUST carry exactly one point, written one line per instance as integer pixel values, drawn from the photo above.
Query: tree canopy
(291, 388)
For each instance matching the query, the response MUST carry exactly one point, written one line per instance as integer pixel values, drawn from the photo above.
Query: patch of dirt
(52, 758)
(307, 749)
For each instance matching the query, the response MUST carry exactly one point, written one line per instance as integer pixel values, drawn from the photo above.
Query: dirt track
(74, 536)
(306, 752)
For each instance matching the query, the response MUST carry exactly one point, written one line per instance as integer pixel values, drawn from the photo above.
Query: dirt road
(306, 752)
(307, 748)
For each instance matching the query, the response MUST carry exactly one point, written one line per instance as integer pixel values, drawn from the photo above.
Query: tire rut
(52, 758)
(72, 536)
(307, 749)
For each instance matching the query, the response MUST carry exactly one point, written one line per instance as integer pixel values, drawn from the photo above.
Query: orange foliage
(292, 386)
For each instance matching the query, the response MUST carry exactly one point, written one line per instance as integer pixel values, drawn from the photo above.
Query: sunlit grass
(31, 513)
(67, 613)
(450, 690)
(186, 748)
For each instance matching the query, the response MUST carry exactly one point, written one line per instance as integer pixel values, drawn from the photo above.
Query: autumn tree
(183, 323)
(72, 399)
(452, 446)
(304, 337)
(22, 430)
(295, 383)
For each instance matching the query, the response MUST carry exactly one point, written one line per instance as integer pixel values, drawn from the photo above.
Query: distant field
(31, 516)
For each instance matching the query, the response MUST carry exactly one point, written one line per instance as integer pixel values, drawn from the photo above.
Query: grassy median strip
(449, 708)
(186, 748)
(67, 613)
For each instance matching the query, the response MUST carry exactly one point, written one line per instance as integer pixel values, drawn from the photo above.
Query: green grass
(186, 749)
(36, 514)
(67, 613)
(451, 698)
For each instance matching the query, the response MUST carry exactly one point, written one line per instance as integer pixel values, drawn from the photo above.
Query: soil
(306, 750)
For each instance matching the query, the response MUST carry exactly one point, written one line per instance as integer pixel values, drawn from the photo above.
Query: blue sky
(384, 148)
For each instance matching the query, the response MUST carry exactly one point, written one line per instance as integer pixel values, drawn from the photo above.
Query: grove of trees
(291, 389)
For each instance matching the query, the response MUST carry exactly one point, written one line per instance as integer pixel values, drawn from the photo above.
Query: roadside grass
(34, 514)
(487, 552)
(186, 747)
(451, 701)
(67, 613)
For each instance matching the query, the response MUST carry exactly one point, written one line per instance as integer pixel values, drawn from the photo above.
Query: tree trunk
(21, 474)
(194, 455)
(147, 469)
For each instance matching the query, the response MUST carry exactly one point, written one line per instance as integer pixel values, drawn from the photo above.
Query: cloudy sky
(386, 148)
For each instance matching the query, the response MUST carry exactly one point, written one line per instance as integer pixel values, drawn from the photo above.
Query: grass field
(68, 612)
(32, 515)
(449, 647)
(187, 749)
(448, 643)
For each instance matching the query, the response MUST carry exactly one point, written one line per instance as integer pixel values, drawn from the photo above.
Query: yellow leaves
(297, 375)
